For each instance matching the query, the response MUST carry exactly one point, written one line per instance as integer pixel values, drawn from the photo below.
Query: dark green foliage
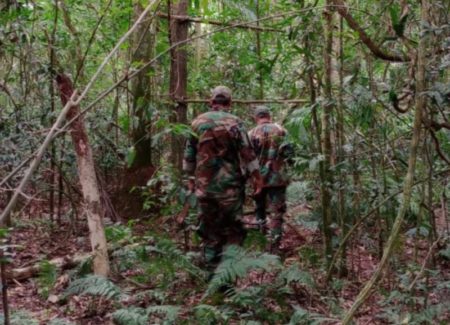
(294, 273)
(47, 277)
(398, 21)
(169, 258)
(303, 317)
(130, 316)
(93, 285)
(236, 262)
(207, 314)
(139, 316)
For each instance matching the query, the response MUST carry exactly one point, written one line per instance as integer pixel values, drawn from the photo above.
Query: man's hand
(257, 184)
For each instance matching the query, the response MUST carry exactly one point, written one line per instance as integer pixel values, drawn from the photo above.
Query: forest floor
(34, 299)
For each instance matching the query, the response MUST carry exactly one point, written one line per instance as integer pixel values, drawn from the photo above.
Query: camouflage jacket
(220, 156)
(273, 151)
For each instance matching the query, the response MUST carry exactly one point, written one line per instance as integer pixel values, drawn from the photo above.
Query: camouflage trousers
(270, 209)
(220, 225)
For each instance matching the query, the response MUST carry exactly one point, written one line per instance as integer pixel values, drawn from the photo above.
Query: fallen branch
(61, 263)
(216, 22)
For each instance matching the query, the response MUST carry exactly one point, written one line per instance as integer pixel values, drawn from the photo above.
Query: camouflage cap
(221, 91)
(261, 110)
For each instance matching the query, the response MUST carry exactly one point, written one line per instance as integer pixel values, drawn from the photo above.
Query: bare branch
(202, 20)
(343, 10)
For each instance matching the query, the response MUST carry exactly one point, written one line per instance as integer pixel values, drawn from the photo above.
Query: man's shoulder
(268, 128)
(217, 116)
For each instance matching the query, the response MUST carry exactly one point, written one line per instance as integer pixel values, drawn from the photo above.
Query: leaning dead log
(88, 180)
(60, 263)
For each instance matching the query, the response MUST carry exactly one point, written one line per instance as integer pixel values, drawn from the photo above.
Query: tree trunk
(143, 41)
(88, 180)
(326, 137)
(258, 52)
(340, 141)
(409, 179)
(178, 31)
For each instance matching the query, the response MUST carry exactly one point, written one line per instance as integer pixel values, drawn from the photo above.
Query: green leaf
(131, 156)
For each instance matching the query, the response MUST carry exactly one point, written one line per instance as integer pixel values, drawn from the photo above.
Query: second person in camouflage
(273, 152)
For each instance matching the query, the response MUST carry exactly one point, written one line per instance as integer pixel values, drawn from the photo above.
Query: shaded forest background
(97, 97)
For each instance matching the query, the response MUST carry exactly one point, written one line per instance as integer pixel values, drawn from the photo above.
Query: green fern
(250, 297)
(294, 274)
(130, 316)
(93, 285)
(84, 268)
(139, 316)
(207, 314)
(170, 253)
(152, 295)
(20, 317)
(236, 263)
(47, 277)
(170, 312)
(303, 317)
(126, 258)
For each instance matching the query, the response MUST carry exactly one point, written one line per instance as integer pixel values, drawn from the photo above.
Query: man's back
(269, 142)
(217, 153)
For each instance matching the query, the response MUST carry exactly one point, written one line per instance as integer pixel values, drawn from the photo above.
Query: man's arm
(286, 148)
(250, 161)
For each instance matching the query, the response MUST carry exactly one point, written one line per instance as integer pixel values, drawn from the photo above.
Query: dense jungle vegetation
(96, 101)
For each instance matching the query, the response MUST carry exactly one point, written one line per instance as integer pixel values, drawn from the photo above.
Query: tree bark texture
(143, 41)
(88, 180)
(178, 74)
(409, 179)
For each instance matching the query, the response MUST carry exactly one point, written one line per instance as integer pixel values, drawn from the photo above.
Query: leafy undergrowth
(158, 278)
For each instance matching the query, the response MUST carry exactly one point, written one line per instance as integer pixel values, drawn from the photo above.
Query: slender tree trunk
(52, 110)
(143, 41)
(326, 136)
(340, 139)
(409, 179)
(178, 31)
(88, 180)
(258, 52)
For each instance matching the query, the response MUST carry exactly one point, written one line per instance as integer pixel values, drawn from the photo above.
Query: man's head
(262, 114)
(220, 98)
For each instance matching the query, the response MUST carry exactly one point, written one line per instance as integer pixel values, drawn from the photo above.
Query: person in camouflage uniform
(273, 151)
(218, 161)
